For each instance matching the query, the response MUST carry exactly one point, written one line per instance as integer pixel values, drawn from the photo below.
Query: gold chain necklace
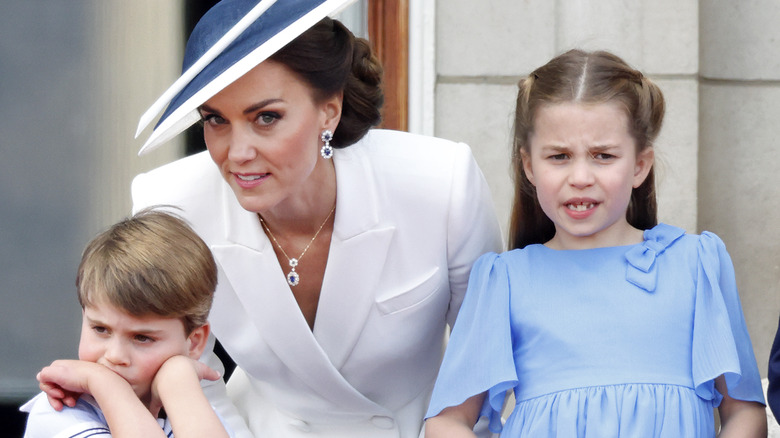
(293, 278)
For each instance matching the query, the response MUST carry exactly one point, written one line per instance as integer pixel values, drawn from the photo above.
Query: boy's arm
(125, 414)
(177, 386)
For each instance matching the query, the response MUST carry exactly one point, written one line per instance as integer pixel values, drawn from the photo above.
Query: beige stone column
(137, 52)
(739, 185)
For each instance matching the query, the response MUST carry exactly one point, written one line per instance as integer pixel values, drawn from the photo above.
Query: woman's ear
(196, 341)
(644, 162)
(331, 110)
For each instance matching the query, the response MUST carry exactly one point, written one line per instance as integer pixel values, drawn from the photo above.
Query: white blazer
(412, 215)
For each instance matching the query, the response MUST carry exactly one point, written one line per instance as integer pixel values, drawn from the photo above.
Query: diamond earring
(327, 149)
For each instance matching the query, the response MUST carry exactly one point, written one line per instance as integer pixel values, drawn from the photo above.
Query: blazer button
(383, 422)
(300, 425)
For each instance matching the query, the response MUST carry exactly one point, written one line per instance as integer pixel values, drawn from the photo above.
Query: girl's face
(135, 347)
(584, 165)
(263, 132)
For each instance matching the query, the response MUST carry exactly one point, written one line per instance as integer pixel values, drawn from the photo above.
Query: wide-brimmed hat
(232, 38)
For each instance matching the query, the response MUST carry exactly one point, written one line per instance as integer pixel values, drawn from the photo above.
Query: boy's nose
(116, 353)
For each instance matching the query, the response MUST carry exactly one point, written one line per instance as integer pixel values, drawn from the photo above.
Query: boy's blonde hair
(152, 263)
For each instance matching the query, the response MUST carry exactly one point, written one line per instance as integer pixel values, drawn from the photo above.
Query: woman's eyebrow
(252, 108)
(262, 104)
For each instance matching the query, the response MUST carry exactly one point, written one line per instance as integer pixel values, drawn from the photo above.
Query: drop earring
(327, 149)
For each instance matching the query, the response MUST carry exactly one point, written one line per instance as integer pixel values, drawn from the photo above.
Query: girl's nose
(581, 174)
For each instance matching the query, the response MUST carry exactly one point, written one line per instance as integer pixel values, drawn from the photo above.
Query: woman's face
(263, 132)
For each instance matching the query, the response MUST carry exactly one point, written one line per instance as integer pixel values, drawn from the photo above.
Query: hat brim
(220, 72)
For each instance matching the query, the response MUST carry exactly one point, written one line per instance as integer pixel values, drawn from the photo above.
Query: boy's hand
(177, 366)
(179, 370)
(64, 381)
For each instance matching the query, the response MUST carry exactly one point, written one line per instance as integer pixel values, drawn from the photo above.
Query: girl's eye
(267, 118)
(603, 156)
(558, 157)
(212, 119)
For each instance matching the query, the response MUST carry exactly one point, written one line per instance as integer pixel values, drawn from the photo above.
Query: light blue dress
(621, 341)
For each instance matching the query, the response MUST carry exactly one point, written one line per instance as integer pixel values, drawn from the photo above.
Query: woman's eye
(267, 118)
(212, 119)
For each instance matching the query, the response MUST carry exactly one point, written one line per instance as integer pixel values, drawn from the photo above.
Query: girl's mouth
(580, 206)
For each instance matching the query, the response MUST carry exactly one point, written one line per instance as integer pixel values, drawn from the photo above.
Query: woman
(338, 268)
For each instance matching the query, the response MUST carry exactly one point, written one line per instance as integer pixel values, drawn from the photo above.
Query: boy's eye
(99, 329)
(143, 338)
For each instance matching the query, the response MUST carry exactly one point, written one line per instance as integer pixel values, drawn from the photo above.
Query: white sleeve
(473, 227)
(216, 393)
(80, 421)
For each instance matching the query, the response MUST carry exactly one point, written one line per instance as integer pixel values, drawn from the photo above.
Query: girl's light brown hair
(152, 263)
(587, 78)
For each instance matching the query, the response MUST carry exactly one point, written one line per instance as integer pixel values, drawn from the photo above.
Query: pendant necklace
(293, 278)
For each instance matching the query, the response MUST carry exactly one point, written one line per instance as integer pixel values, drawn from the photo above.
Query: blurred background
(76, 75)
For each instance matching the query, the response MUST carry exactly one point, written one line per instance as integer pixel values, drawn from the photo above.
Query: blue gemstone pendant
(293, 278)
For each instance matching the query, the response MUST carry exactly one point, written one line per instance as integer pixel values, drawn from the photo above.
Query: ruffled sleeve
(479, 355)
(721, 343)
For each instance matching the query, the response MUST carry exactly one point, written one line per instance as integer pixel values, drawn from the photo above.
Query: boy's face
(133, 347)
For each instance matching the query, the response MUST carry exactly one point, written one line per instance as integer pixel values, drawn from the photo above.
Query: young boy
(145, 287)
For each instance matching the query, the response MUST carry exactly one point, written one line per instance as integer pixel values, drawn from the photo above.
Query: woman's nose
(242, 146)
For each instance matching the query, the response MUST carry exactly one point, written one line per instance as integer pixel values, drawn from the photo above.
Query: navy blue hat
(231, 39)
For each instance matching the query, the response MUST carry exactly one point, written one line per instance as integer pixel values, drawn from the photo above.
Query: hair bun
(363, 94)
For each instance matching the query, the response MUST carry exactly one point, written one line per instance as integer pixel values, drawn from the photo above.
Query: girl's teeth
(579, 207)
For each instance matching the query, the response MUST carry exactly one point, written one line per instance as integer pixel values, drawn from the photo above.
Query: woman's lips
(249, 180)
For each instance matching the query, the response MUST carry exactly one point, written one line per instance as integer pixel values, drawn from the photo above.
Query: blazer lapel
(250, 266)
(357, 256)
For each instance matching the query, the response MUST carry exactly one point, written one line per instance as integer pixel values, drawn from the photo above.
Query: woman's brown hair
(332, 60)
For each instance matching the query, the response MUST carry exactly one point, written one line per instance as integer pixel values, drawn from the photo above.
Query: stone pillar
(739, 185)
(137, 51)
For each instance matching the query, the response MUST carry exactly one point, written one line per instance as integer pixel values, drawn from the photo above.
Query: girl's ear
(196, 341)
(529, 173)
(644, 162)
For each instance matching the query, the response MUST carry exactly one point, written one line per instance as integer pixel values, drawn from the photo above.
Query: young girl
(603, 322)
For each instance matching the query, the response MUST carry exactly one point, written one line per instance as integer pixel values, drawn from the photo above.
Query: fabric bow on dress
(641, 270)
